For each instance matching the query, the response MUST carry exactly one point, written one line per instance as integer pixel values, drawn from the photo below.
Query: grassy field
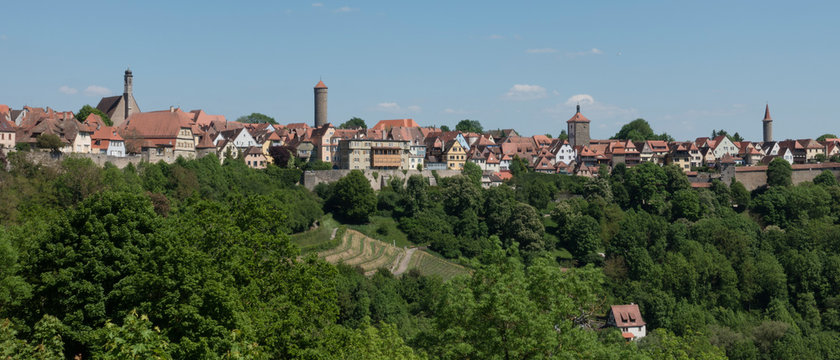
(314, 240)
(385, 229)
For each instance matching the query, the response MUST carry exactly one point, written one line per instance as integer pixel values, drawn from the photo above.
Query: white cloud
(394, 108)
(345, 9)
(584, 99)
(453, 111)
(596, 111)
(64, 89)
(541, 51)
(495, 37)
(523, 92)
(317, 4)
(96, 90)
(593, 51)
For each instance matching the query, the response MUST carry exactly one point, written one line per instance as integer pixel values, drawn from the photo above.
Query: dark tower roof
(767, 113)
(128, 71)
(578, 117)
(320, 85)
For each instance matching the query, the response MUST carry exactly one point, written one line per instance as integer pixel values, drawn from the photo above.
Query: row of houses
(390, 144)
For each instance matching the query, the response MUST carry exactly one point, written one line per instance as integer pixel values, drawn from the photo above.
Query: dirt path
(403, 266)
(333, 233)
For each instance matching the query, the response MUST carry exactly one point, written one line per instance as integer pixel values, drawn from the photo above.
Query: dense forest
(193, 260)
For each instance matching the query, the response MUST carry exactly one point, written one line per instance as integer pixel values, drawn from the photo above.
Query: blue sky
(686, 67)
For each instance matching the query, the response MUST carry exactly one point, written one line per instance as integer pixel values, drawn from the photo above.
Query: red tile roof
(157, 124)
(578, 117)
(627, 315)
(321, 85)
(767, 113)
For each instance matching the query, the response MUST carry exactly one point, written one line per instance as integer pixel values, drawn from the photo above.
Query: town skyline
(527, 72)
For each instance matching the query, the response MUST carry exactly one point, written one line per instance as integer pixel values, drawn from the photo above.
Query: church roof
(109, 104)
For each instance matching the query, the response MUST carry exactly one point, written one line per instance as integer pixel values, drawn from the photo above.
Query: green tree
(50, 141)
(444, 128)
(135, 339)
(256, 118)
(472, 171)
(563, 136)
(686, 204)
(46, 341)
(639, 130)
(826, 136)
(468, 125)
(86, 110)
(584, 234)
(353, 199)
(13, 288)
(353, 123)
(779, 173)
(518, 166)
(826, 178)
(461, 194)
(646, 184)
(740, 195)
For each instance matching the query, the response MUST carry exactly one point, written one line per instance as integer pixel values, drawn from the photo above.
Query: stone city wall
(378, 178)
(45, 158)
(754, 177)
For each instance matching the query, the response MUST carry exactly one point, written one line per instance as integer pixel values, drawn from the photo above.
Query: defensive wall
(378, 178)
(755, 176)
(46, 158)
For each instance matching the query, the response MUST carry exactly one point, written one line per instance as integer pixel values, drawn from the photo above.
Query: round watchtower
(320, 104)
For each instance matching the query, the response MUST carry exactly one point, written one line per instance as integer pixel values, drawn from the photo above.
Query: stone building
(578, 129)
(119, 108)
(159, 135)
(374, 154)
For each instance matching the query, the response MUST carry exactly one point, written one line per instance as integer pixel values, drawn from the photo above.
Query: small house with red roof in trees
(628, 319)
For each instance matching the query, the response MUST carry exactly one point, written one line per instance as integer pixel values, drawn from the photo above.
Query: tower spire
(767, 124)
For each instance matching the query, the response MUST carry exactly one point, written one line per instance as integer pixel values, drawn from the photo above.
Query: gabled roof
(627, 315)
(491, 158)
(206, 142)
(7, 126)
(109, 104)
(157, 124)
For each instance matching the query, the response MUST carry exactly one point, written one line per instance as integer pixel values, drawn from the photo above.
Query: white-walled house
(724, 146)
(563, 152)
(628, 320)
(239, 138)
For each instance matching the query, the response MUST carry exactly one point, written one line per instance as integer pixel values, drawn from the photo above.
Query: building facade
(374, 154)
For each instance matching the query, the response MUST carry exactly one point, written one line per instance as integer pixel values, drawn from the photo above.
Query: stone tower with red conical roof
(320, 104)
(768, 125)
(578, 129)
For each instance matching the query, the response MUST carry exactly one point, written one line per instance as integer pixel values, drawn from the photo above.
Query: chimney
(171, 109)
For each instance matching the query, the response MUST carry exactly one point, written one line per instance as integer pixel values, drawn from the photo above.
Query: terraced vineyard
(370, 254)
(429, 264)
